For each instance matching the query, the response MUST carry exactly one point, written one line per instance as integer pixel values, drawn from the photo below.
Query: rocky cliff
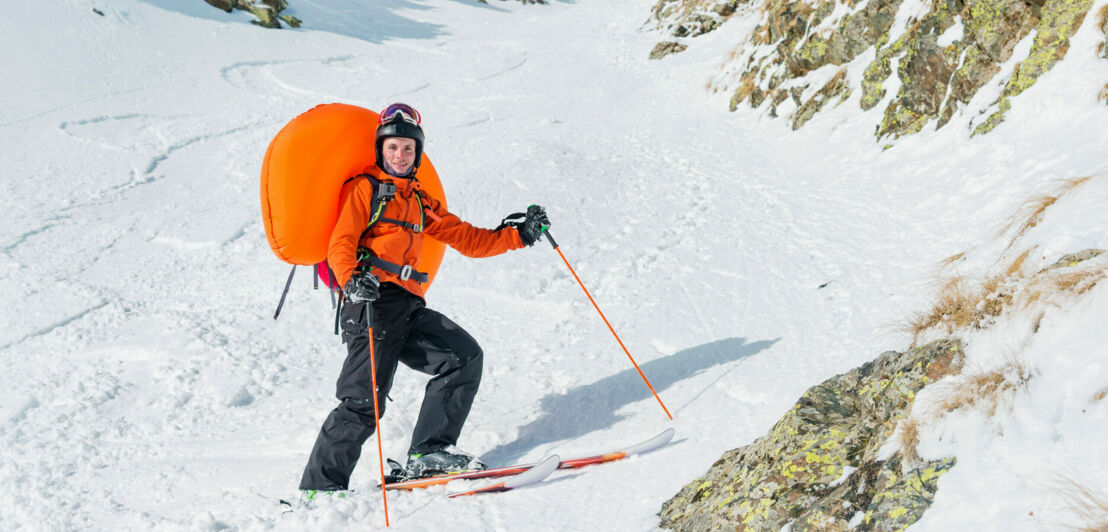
(920, 61)
(822, 466)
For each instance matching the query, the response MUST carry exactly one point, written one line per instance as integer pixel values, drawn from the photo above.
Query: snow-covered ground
(146, 385)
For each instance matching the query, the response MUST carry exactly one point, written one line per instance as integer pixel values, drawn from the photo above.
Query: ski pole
(376, 412)
(597, 307)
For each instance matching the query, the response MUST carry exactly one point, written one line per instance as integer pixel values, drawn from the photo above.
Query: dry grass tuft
(838, 79)
(909, 443)
(994, 298)
(985, 390)
(962, 305)
(965, 303)
(949, 261)
(1078, 282)
(1086, 504)
(1016, 267)
(1099, 396)
(1035, 208)
(955, 308)
(1103, 96)
(1031, 213)
(1055, 282)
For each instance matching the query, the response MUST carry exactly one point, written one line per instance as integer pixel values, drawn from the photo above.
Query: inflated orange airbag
(302, 176)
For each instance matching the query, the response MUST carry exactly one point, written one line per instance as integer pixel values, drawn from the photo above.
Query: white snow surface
(146, 385)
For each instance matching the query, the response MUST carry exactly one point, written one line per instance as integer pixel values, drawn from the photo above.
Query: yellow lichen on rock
(1060, 20)
(938, 73)
(796, 474)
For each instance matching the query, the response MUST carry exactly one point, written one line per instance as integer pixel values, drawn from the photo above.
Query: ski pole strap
(511, 220)
(284, 293)
(404, 272)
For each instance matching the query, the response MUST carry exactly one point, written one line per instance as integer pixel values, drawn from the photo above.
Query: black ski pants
(405, 330)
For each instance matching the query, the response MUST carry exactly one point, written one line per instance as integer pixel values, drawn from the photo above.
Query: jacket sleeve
(468, 240)
(342, 251)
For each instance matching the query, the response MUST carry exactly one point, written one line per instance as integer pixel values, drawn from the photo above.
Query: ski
(649, 445)
(538, 473)
(574, 463)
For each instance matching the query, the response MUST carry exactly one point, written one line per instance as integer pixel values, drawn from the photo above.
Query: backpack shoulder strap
(382, 193)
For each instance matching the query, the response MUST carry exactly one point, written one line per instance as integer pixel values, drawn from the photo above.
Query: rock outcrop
(663, 49)
(1103, 48)
(268, 12)
(922, 61)
(821, 467)
(689, 18)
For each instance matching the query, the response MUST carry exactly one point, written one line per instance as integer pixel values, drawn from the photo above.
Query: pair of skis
(526, 474)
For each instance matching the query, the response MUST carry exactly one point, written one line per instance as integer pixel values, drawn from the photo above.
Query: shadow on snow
(592, 407)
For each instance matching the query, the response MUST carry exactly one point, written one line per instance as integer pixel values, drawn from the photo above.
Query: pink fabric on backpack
(325, 274)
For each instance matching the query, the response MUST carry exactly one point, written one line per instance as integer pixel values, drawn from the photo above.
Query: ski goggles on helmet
(400, 111)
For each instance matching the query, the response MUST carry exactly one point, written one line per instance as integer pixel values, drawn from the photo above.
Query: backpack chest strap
(406, 225)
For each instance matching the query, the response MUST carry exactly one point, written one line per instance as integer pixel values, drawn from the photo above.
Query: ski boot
(443, 461)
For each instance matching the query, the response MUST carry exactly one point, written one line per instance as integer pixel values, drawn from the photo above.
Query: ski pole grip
(369, 314)
(550, 238)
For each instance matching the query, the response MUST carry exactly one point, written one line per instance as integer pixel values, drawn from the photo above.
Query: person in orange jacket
(375, 243)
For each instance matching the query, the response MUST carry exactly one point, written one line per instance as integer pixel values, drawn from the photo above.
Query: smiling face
(399, 152)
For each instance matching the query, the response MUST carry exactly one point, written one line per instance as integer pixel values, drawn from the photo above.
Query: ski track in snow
(148, 387)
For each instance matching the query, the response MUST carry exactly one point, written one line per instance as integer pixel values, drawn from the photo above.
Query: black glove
(534, 224)
(362, 287)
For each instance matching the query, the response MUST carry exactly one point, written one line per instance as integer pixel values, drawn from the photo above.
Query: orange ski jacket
(401, 243)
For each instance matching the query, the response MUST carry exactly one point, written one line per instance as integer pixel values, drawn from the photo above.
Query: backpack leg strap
(331, 275)
(284, 293)
(335, 289)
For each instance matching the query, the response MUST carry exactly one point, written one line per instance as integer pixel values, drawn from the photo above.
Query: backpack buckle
(406, 272)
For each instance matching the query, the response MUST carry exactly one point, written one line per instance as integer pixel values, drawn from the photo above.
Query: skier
(374, 245)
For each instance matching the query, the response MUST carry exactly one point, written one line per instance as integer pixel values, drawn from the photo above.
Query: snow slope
(147, 386)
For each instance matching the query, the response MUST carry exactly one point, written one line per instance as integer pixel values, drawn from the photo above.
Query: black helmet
(399, 120)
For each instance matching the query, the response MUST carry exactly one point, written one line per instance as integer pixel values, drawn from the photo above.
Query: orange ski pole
(376, 412)
(597, 307)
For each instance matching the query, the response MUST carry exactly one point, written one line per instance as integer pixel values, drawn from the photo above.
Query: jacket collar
(404, 185)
